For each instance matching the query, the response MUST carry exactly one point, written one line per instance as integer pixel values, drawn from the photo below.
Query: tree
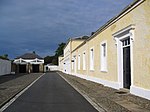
(54, 59)
(5, 56)
(59, 50)
(48, 59)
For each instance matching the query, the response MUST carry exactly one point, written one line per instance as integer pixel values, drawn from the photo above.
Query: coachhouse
(29, 63)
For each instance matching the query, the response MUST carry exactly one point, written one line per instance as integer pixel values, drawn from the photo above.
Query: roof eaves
(67, 43)
(79, 46)
(111, 21)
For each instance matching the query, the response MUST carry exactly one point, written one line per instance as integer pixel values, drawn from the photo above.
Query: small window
(126, 42)
(72, 63)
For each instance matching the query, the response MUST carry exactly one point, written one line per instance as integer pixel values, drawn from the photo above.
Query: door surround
(127, 32)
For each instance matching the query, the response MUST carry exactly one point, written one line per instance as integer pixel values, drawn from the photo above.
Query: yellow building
(117, 54)
(61, 63)
(70, 46)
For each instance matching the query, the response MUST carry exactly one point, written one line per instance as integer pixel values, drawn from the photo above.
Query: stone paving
(10, 85)
(111, 100)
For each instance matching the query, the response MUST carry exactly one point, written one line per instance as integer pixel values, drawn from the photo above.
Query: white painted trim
(98, 80)
(72, 63)
(120, 35)
(91, 66)
(84, 60)
(145, 93)
(75, 63)
(103, 64)
(26, 61)
(128, 28)
(141, 92)
(79, 61)
(132, 39)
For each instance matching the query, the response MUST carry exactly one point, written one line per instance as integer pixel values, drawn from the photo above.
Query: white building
(5, 67)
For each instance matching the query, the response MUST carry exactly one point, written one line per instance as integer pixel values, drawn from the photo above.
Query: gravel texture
(109, 99)
(13, 84)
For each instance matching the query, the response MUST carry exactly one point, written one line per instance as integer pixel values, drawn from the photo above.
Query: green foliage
(59, 50)
(54, 59)
(48, 59)
(5, 56)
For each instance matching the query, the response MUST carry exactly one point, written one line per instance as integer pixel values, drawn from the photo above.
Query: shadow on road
(8, 77)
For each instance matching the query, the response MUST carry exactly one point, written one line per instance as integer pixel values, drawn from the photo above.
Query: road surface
(50, 94)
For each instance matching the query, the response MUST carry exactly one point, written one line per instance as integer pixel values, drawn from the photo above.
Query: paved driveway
(50, 94)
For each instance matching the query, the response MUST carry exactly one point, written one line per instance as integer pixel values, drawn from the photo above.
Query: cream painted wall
(141, 47)
(61, 63)
(72, 44)
(137, 15)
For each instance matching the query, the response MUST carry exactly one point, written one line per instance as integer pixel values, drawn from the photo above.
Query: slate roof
(29, 56)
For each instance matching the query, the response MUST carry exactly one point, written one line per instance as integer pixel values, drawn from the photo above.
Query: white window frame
(72, 63)
(92, 58)
(103, 56)
(79, 60)
(84, 60)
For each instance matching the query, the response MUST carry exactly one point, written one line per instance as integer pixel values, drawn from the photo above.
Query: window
(104, 49)
(103, 56)
(126, 42)
(72, 62)
(78, 62)
(84, 61)
(92, 59)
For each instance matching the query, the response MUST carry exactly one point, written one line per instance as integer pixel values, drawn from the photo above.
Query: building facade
(70, 46)
(61, 63)
(117, 54)
(29, 63)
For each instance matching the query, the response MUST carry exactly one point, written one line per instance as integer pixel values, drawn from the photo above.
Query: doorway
(35, 68)
(22, 68)
(126, 63)
(124, 41)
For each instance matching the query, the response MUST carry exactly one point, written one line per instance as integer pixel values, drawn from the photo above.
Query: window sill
(105, 71)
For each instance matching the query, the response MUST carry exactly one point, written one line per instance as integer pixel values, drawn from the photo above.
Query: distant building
(29, 63)
(70, 46)
(50, 67)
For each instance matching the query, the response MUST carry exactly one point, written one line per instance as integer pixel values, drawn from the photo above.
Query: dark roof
(29, 56)
(81, 38)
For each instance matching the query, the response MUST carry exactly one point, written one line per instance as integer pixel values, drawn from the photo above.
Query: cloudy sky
(40, 25)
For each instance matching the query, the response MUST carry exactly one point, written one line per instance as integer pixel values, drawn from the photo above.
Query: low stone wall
(5, 67)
